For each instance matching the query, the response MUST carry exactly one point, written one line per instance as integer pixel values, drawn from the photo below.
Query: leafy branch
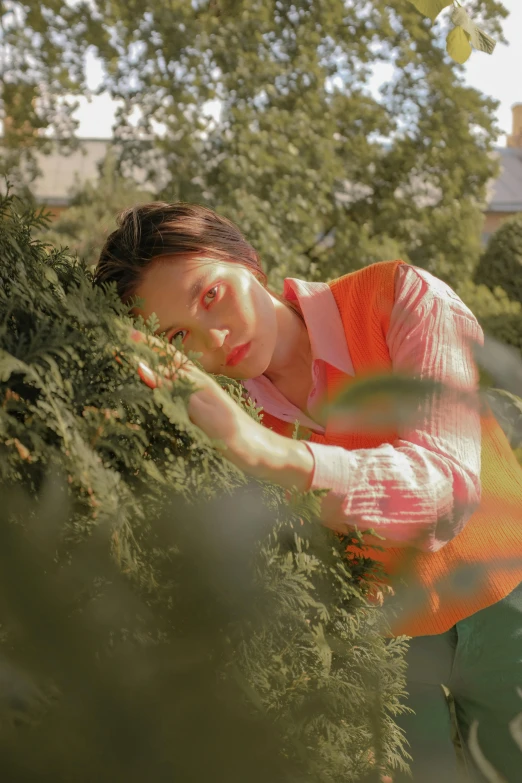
(465, 34)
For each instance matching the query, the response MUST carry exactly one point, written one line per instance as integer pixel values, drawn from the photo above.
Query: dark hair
(147, 232)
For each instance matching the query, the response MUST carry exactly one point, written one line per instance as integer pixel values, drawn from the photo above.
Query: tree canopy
(318, 172)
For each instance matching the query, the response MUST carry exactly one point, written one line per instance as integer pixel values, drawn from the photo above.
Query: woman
(431, 487)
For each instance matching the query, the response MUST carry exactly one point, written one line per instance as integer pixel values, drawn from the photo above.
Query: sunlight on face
(213, 307)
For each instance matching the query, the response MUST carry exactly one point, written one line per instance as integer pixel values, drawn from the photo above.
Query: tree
(42, 65)
(501, 370)
(498, 315)
(154, 601)
(320, 175)
(501, 262)
(494, 294)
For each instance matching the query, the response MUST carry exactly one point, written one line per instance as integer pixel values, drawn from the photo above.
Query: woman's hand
(245, 442)
(254, 449)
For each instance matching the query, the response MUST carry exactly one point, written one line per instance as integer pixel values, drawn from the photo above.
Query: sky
(498, 75)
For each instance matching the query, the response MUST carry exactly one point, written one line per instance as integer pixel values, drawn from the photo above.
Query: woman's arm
(421, 490)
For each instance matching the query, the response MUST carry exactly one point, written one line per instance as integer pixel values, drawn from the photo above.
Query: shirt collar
(323, 322)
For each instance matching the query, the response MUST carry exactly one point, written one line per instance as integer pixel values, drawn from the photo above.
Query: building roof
(505, 193)
(61, 172)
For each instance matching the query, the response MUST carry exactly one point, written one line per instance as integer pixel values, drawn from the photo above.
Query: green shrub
(162, 617)
(501, 262)
(499, 316)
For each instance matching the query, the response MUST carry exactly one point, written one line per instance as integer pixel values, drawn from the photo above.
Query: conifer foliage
(162, 617)
(501, 262)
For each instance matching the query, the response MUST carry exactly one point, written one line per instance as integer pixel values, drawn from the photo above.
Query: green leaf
(458, 45)
(510, 398)
(507, 409)
(323, 648)
(515, 726)
(483, 42)
(151, 468)
(381, 402)
(10, 364)
(51, 275)
(430, 8)
(479, 39)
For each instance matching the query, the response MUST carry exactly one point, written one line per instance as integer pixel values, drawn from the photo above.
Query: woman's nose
(216, 337)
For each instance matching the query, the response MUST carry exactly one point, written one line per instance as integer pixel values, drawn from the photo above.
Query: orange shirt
(490, 539)
(401, 490)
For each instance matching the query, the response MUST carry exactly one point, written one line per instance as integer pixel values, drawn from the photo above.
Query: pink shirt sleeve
(421, 490)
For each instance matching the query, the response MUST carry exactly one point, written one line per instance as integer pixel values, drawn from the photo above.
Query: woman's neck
(292, 358)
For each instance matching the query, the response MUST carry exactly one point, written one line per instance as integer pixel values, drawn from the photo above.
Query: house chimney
(515, 140)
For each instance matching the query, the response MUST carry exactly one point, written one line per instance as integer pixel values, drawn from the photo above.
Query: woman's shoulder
(376, 274)
(413, 282)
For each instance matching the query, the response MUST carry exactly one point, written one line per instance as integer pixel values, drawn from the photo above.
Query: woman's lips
(238, 354)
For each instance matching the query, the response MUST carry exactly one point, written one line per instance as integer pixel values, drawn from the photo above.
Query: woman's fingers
(147, 376)
(136, 335)
(140, 337)
(155, 379)
(158, 345)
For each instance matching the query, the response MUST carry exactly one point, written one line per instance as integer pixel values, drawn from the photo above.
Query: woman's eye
(180, 331)
(174, 335)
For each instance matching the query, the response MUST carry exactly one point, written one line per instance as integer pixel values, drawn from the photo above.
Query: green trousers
(479, 661)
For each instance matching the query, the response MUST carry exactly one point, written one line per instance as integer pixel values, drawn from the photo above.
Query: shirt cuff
(331, 467)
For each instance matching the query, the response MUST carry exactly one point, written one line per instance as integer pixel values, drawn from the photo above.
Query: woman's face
(229, 309)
